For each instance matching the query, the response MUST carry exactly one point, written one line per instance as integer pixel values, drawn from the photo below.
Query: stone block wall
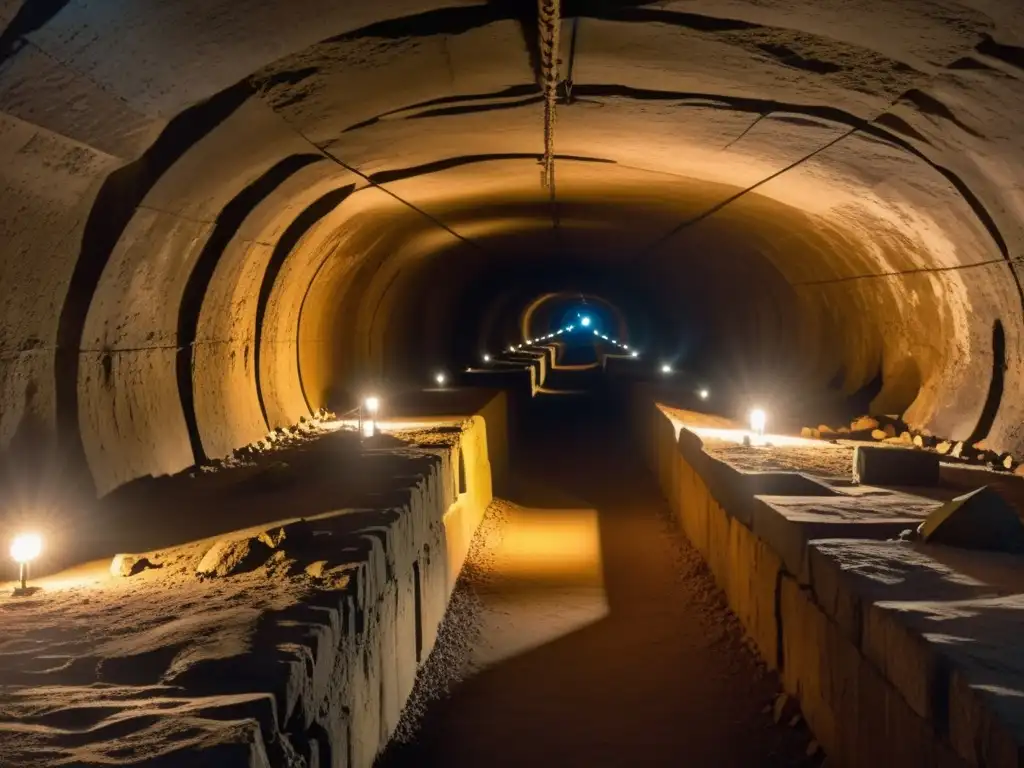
(854, 631)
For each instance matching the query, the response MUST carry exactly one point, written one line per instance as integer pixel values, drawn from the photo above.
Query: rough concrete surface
(217, 220)
(289, 642)
(899, 652)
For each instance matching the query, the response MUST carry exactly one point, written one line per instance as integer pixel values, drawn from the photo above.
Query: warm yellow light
(704, 394)
(26, 547)
(440, 379)
(758, 420)
(372, 404)
(369, 428)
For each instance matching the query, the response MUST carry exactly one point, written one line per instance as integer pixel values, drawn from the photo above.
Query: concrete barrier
(317, 676)
(899, 654)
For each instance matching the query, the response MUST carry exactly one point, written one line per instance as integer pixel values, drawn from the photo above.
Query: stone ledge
(858, 627)
(307, 661)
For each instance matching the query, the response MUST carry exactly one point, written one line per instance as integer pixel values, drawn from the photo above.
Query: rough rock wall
(211, 218)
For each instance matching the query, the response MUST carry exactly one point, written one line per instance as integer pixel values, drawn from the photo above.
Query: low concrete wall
(348, 659)
(318, 676)
(873, 637)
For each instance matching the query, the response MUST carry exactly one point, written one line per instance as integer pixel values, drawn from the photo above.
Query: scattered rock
(843, 431)
(919, 441)
(878, 434)
(232, 556)
(981, 520)
(908, 534)
(1007, 461)
(123, 566)
(290, 536)
(825, 429)
(864, 424)
(810, 433)
(944, 447)
(315, 570)
(957, 451)
(873, 465)
(890, 430)
(906, 437)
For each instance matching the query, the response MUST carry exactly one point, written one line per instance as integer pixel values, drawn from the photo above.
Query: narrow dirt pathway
(588, 633)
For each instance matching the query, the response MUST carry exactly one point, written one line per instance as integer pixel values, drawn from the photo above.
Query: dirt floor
(586, 631)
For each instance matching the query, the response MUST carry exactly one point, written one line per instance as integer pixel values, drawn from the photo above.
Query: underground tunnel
(228, 227)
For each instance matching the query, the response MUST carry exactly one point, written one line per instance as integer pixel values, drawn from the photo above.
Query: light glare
(666, 368)
(440, 379)
(704, 394)
(758, 420)
(26, 547)
(372, 404)
(585, 321)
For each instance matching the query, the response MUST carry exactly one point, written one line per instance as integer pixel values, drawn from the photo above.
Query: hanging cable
(550, 22)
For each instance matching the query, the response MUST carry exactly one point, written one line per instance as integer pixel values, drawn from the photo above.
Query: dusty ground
(723, 437)
(588, 632)
(824, 459)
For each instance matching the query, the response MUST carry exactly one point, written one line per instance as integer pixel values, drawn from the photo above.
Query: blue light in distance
(585, 321)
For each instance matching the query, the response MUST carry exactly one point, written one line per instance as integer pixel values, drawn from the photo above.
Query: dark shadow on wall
(995, 387)
(111, 212)
(900, 387)
(229, 221)
(304, 222)
(32, 16)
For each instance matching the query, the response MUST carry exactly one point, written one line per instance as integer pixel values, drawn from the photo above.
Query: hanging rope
(549, 18)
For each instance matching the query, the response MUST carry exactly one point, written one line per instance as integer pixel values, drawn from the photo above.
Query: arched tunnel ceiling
(217, 216)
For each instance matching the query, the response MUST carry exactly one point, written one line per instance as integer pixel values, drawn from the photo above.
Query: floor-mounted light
(758, 421)
(24, 549)
(368, 416)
